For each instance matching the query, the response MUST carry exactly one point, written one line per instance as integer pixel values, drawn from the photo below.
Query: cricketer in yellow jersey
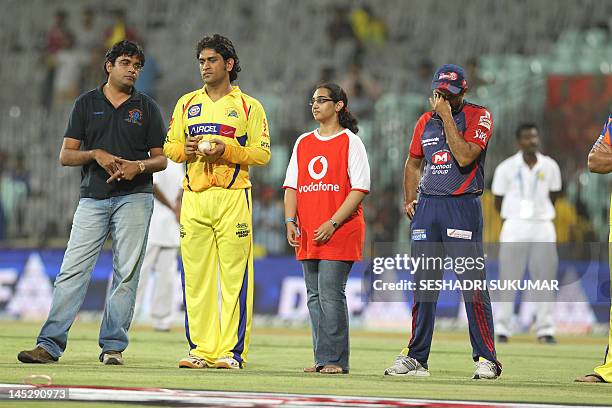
(600, 161)
(216, 220)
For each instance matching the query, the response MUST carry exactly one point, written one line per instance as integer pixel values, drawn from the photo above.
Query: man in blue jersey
(447, 222)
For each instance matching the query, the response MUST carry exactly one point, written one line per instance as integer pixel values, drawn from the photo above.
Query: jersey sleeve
(257, 150)
(156, 129)
(416, 148)
(291, 176)
(76, 122)
(479, 127)
(499, 186)
(604, 137)
(174, 147)
(358, 165)
(555, 180)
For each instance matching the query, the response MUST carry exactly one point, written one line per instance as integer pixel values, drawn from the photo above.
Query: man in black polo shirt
(116, 134)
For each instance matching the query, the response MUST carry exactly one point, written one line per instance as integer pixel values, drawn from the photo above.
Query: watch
(334, 223)
(290, 219)
(141, 166)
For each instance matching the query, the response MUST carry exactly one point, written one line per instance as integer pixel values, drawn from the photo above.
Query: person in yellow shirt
(218, 132)
(600, 161)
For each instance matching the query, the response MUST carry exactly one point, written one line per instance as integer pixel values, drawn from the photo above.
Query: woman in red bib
(327, 178)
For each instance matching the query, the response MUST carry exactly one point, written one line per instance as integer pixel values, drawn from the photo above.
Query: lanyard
(521, 183)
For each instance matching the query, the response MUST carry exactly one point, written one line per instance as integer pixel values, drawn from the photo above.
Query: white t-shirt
(164, 229)
(527, 191)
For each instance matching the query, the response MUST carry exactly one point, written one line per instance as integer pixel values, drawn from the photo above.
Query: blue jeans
(126, 218)
(325, 285)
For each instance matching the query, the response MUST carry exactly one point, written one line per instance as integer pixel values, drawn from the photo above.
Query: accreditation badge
(526, 209)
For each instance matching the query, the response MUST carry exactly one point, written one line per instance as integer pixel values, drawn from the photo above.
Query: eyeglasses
(126, 63)
(319, 100)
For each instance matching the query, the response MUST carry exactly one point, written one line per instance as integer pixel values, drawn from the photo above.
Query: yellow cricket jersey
(237, 119)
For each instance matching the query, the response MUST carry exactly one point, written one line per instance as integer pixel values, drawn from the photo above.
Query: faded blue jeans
(325, 287)
(126, 218)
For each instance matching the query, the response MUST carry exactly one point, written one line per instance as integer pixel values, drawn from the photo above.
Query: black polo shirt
(128, 131)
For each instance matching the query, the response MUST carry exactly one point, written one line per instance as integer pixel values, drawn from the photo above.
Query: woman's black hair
(125, 47)
(345, 117)
(223, 46)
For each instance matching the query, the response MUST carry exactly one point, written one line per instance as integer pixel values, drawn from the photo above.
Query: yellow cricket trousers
(217, 253)
(605, 370)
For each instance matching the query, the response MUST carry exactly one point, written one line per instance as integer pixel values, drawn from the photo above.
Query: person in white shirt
(162, 249)
(525, 187)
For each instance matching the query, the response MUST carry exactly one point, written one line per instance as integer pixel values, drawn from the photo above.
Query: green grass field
(532, 372)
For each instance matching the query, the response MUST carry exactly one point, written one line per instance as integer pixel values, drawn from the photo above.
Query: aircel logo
(205, 128)
(311, 167)
(441, 157)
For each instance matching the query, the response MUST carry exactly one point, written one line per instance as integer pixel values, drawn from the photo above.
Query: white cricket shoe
(485, 370)
(407, 366)
(228, 362)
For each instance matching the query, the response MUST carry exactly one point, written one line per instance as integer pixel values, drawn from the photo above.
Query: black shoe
(112, 358)
(502, 338)
(36, 356)
(548, 339)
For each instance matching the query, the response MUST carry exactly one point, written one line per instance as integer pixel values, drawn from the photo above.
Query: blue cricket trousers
(450, 227)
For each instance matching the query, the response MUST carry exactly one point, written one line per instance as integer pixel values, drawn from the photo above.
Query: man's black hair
(125, 47)
(223, 46)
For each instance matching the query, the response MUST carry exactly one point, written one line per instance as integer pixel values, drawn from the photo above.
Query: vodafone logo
(441, 157)
(311, 167)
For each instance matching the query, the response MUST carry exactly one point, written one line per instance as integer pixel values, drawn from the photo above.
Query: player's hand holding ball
(214, 152)
(204, 145)
(191, 146)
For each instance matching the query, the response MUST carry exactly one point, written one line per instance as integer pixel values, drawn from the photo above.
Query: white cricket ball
(204, 145)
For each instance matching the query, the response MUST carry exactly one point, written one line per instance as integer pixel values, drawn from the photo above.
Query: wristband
(290, 219)
(334, 223)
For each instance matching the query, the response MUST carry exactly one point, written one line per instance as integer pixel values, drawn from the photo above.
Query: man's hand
(127, 171)
(177, 212)
(293, 235)
(410, 208)
(213, 154)
(324, 233)
(440, 105)
(602, 147)
(191, 146)
(108, 162)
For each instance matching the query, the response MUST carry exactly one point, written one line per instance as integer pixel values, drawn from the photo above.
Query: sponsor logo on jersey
(194, 111)
(320, 186)
(441, 157)
(485, 120)
(432, 141)
(265, 129)
(317, 175)
(480, 135)
(211, 129)
(457, 233)
(419, 234)
(135, 117)
(452, 76)
(242, 230)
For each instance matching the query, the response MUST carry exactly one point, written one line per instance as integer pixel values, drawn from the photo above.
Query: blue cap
(450, 77)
